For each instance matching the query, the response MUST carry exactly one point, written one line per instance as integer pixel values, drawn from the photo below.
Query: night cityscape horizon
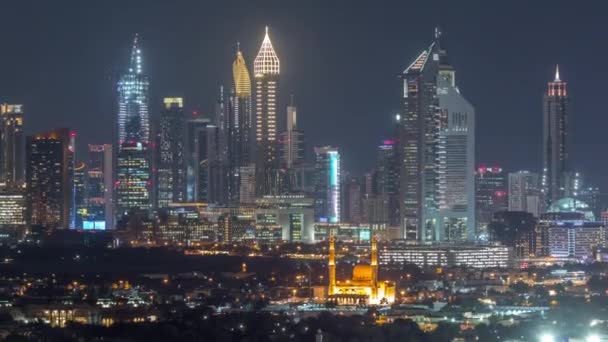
(264, 171)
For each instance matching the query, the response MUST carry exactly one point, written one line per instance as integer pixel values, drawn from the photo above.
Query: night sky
(340, 59)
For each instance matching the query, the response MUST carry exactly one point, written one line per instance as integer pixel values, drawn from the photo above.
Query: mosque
(364, 288)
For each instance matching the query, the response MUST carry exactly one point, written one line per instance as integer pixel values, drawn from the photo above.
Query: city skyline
(369, 122)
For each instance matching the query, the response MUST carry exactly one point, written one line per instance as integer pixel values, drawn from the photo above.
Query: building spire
(135, 65)
(267, 61)
(240, 74)
(437, 33)
(557, 73)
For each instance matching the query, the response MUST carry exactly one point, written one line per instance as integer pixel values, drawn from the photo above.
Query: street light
(547, 338)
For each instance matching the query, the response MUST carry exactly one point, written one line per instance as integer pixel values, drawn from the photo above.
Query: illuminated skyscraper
(292, 140)
(172, 169)
(387, 179)
(327, 184)
(455, 216)
(11, 143)
(13, 210)
(133, 118)
(266, 69)
(99, 188)
(555, 140)
(240, 125)
(524, 192)
(490, 195)
(50, 178)
(133, 166)
(133, 178)
(437, 151)
(80, 182)
(196, 158)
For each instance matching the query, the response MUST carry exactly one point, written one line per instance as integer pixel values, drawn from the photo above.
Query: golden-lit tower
(332, 265)
(374, 267)
(240, 74)
(266, 69)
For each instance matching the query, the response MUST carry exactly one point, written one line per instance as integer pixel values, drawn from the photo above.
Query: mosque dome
(362, 273)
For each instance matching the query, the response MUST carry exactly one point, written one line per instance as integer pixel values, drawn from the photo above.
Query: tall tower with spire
(555, 139)
(437, 151)
(266, 70)
(241, 133)
(134, 180)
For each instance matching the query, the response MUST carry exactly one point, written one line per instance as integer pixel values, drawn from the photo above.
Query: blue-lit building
(327, 184)
(134, 180)
(99, 189)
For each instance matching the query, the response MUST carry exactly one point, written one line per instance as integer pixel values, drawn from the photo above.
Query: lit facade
(240, 125)
(133, 178)
(490, 195)
(172, 168)
(12, 148)
(455, 216)
(50, 178)
(100, 188)
(327, 184)
(294, 214)
(436, 135)
(133, 87)
(196, 157)
(524, 192)
(80, 183)
(440, 256)
(266, 70)
(133, 168)
(576, 239)
(364, 287)
(555, 140)
(12, 207)
(387, 179)
(292, 141)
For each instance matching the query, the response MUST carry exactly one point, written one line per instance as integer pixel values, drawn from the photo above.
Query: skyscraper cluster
(423, 186)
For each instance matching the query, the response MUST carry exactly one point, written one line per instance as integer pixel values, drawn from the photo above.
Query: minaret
(266, 69)
(332, 266)
(374, 267)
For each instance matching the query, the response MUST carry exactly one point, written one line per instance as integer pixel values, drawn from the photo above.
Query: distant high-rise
(100, 187)
(524, 193)
(327, 184)
(217, 180)
(50, 178)
(456, 162)
(133, 117)
(555, 140)
(387, 179)
(436, 138)
(172, 168)
(13, 209)
(247, 184)
(133, 178)
(197, 158)
(79, 204)
(11, 143)
(133, 169)
(292, 141)
(266, 69)
(241, 132)
(490, 195)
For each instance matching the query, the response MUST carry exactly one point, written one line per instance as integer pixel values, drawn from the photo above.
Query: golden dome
(362, 273)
